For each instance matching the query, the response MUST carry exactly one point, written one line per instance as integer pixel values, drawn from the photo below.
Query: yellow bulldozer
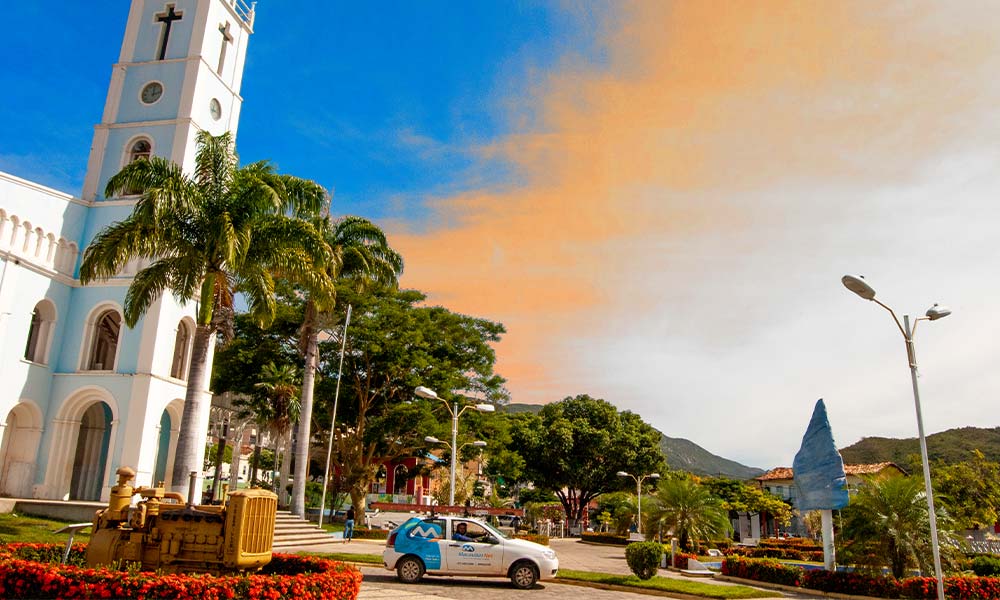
(164, 533)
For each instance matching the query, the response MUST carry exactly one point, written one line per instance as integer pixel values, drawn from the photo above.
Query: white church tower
(83, 394)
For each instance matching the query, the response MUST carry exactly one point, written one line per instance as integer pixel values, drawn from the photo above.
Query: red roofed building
(780, 481)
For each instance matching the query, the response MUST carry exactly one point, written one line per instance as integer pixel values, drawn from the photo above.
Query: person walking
(349, 525)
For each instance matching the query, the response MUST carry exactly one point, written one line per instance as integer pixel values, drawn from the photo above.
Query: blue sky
(657, 199)
(384, 103)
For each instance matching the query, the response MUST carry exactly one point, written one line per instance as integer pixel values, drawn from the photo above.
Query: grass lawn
(666, 584)
(22, 528)
(333, 527)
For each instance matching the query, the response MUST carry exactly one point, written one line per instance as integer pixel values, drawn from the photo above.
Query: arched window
(182, 350)
(104, 341)
(399, 479)
(43, 319)
(140, 149)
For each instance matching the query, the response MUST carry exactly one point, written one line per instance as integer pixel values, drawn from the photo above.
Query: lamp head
(485, 407)
(654, 475)
(937, 312)
(426, 392)
(859, 286)
(624, 474)
(479, 444)
(432, 440)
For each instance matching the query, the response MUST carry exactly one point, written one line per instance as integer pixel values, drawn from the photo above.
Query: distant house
(781, 482)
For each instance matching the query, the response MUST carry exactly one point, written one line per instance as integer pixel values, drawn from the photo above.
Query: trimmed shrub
(604, 538)
(761, 569)
(644, 558)
(363, 533)
(986, 565)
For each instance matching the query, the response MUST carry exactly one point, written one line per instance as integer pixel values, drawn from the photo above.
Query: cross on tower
(226, 40)
(167, 18)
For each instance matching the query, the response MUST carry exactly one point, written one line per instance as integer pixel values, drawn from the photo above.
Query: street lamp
(860, 287)
(430, 394)
(638, 493)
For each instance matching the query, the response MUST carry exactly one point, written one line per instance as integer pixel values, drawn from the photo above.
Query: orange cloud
(702, 106)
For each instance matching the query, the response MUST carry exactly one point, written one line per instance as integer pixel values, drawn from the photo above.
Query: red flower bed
(26, 573)
(916, 588)
(761, 569)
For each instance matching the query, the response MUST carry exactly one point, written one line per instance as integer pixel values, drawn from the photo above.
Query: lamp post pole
(333, 418)
(454, 452)
(430, 394)
(638, 494)
(860, 287)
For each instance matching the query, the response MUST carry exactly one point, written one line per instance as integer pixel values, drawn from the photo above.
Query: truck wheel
(409, 569)
(523, 575)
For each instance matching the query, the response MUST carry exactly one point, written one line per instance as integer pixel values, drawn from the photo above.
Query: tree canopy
(577, 446)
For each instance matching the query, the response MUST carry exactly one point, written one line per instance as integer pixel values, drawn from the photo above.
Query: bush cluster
(682, 558)
(286, 577)
(986, 565)
(761, 569)
(912, 588)
(644, 558)
(774, 552)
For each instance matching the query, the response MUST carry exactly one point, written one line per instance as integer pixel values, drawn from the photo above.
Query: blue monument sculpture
(819, 476)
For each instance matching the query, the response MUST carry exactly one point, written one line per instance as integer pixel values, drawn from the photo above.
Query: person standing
(349, 525)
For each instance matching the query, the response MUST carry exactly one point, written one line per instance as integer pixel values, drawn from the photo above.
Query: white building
(82, 394)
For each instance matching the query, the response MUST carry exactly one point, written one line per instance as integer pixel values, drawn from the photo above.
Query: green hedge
(363, 533)
(604, 538)
(761, 569)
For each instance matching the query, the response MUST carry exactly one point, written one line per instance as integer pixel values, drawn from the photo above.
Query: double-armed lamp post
(638, 493)
(860, 287)
(430, 394)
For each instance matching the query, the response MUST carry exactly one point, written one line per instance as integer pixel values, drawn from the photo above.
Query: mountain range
(949, 446)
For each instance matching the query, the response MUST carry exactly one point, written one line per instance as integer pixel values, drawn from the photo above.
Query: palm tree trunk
(305, 421)
(191, 438)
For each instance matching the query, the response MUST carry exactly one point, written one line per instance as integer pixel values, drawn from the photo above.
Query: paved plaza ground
(573, 554)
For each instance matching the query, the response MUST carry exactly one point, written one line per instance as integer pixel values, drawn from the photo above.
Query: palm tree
(887, 523)
(688, 509)
(210, 235)
(361, 258)
(281, 409)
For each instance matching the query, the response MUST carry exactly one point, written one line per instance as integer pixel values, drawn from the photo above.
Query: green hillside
(681, 454)
(950, 446)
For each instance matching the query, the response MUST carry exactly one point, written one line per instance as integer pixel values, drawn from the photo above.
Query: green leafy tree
(970, 490)
(887, 524)
(689, 510)
(394, 346)
(219, 231)
(361, 258)
(577, 446)
(740, 496)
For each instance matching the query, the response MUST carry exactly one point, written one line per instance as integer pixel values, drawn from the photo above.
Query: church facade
(82, 393)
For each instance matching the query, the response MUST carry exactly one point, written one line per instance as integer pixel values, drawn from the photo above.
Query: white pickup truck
(445, 545)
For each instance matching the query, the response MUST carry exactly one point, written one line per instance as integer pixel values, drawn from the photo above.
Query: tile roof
(868, 469)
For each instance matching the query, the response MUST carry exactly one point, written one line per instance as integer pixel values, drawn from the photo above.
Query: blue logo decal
(468, 548)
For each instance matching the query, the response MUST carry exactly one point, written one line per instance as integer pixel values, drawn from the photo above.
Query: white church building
(83, 395)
